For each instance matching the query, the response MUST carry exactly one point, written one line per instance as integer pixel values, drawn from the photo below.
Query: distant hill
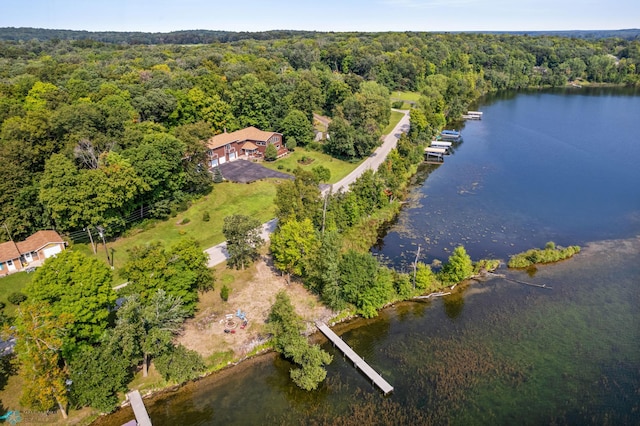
(208, 36)
(627, 34)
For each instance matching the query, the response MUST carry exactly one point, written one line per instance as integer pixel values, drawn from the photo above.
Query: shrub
(179, 364)
(291, 143)
(458, 268)
(315, 146)
(549, 254)
(16, 298)
(271, 153)
(206, 217)
(185, 220)
(397, 104)
(224, 293)
(2, 305)
(425, 278)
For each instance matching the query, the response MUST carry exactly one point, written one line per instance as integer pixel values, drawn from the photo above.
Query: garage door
(51, 251)
(222, 160)
(233, 156)
(214, 163)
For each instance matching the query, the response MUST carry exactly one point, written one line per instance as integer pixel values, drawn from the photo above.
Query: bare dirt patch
(253, 291)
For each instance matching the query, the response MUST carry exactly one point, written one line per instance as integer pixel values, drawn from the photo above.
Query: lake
(544, 166)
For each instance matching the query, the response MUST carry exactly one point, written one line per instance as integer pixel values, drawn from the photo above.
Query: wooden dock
(142, 417)
(355, 358)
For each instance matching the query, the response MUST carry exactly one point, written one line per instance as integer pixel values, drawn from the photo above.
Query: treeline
(136, 37)
(91, 132)
(211, 36)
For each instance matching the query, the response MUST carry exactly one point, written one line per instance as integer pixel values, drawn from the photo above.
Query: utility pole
(415, 267)
(101, 233)
(93, 245)
(8, 233)
(324, 209)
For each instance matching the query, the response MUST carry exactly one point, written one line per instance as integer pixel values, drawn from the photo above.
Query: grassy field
(12, 283)
(227, 198)
(405, 96)
(409, 98)
(393, 120)
(338, 168)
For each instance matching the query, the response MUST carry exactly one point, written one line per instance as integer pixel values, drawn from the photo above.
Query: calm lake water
(559, 166)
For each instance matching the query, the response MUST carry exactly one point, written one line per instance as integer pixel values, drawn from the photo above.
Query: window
(9, 262)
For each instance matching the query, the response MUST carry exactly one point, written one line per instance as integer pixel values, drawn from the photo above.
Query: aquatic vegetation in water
(549, 254)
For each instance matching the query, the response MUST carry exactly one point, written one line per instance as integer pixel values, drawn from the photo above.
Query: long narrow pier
(142, 417)
(355, 358)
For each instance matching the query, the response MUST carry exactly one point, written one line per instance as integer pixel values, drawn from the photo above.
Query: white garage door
(232, 156)
(51, 251)
(214, 163)
(222, 160)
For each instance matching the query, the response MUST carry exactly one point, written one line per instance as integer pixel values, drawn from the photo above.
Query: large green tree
(299, 199)
(181, 271)
(293, 244)
(39, 337)
(78, 286)
(243, 234)
(286, 327)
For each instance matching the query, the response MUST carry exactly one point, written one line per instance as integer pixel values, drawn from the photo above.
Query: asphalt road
(218, 253)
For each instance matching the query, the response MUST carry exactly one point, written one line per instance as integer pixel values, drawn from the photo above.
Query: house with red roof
(248, 143)
(30, 252)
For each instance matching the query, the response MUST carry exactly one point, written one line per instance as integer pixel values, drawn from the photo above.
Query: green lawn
(405, 96)
(393, 120)
(12, 283)
(227, 198)
(288, 164)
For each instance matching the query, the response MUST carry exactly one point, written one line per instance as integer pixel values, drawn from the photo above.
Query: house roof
(38, 240)
(248, 133)
(249, 146)
(8, 251)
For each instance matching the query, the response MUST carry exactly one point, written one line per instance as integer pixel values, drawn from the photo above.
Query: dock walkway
(142, 417)
(355, 358)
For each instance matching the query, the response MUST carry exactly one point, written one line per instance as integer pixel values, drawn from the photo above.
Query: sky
(322, 15)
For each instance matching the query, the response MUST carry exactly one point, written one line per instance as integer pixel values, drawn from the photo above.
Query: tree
(425, 278)
(321, 173)
(271, 153)
(296, 125)
(180, 271)
(243, 239)
(300, 198)
(364, 283)
(286, 327)
(39, 339)
(341, 139)
(292, 244)
(79, 286)
(97, 375)
(323, 274)
(179, 364)
(458, 268)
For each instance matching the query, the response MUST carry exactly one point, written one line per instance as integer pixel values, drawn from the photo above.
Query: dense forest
(210, 36)
(98, 133)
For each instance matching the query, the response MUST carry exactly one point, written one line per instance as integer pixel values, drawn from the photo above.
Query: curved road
(218, 253)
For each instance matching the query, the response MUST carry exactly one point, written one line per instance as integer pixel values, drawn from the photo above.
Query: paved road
(219, 253)
(379, 155)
